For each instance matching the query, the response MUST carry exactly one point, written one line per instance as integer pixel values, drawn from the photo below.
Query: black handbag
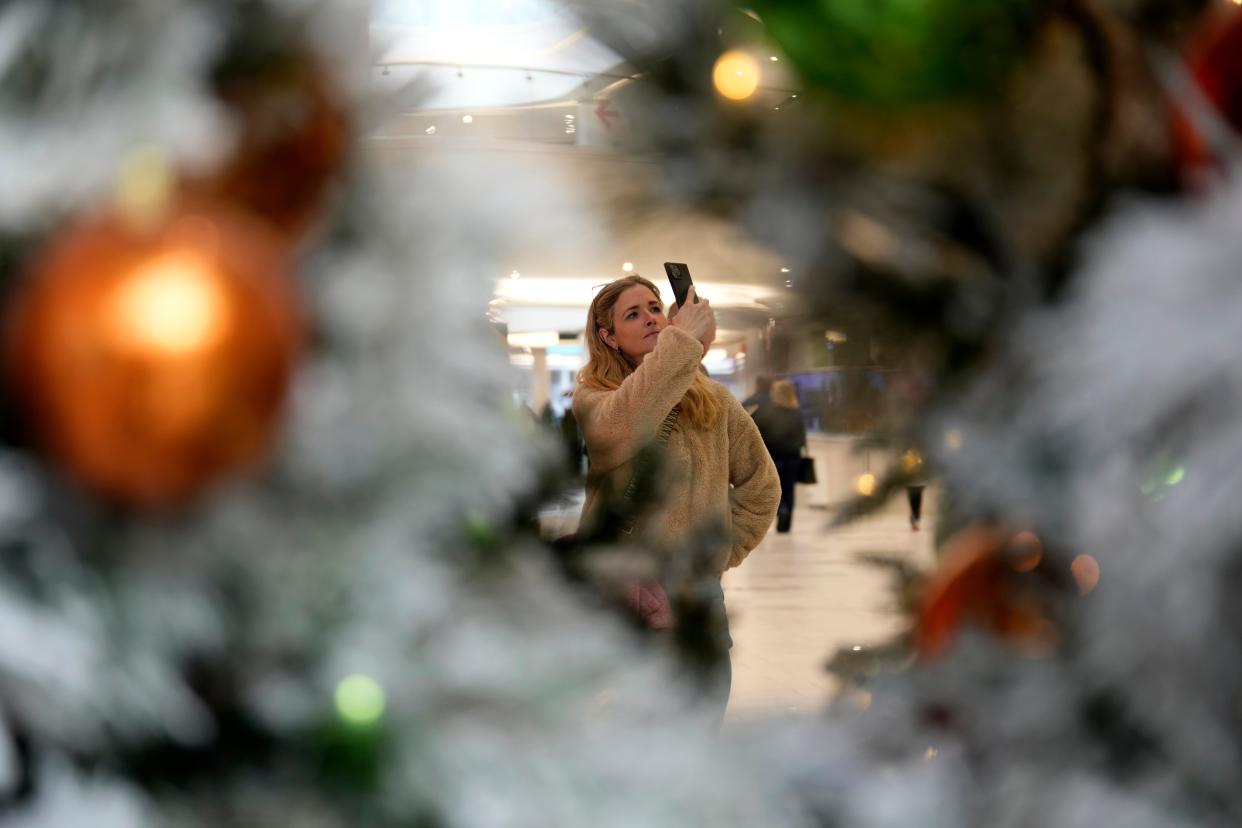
(806, 470)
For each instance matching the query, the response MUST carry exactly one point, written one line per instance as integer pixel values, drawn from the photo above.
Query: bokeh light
(1086, 572)
(736, 75)
(172, 305)
(1025, 551)
(360, 700)
(865, 484)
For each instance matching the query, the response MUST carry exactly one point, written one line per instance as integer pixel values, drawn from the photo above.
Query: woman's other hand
(696, 319)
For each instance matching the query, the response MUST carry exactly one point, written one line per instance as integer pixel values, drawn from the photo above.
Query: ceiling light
(534, 339)
(515, 275)
(774, 58)
(431, 130)
(576, 293)
(467, 119)
(627, 267)
(784, 270)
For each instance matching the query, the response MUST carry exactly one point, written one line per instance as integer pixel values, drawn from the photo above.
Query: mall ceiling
(520, 82)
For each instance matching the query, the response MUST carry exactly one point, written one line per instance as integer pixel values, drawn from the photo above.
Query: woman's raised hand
(696, 319)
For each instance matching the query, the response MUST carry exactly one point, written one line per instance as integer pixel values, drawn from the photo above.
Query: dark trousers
(787, 470)
(915, 495)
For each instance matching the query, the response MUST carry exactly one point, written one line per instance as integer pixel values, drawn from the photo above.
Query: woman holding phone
(715, 470)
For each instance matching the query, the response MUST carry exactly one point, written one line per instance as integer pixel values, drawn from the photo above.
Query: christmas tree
(268, 549)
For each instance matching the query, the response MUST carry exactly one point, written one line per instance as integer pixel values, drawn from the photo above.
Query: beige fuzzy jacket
(723, 475)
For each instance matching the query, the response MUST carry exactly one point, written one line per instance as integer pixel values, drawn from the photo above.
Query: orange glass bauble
(291, 144)
(149, 363)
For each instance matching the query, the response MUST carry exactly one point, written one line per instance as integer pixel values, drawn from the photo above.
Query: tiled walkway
(801, 595)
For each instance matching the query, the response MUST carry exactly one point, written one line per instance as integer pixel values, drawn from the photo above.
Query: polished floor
(802, 595)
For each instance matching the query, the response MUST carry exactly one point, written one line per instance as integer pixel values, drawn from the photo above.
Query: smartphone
(679, 278)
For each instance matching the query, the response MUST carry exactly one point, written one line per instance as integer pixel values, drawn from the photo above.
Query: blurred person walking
(784, 433)
(643, 385)
(761, 397)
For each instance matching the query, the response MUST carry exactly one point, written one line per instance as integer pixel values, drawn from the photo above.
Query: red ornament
(151, 363)
(978, 583)
(1214, 62)
(291, 147)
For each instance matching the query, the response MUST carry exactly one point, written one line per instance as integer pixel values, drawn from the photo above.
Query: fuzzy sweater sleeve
(616, 424)
(756, 489)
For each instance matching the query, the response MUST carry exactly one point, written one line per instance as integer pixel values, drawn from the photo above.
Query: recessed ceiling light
(431, 130)
(627, 267)
(784, 270)
(774, 58)
(467, 119)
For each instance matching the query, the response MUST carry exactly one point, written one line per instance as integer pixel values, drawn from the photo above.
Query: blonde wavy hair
(784, 394)
(606, 369)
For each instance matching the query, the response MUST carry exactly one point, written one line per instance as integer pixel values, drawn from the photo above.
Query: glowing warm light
(930, 753)
(953, 439)
(1026, 551)
(1086, 572)
(865, 484)
(736, 75)
(628, 267)
(173, 305)
(360, 700)
(910, 461)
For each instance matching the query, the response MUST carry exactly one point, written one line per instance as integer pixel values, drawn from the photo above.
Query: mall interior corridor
(801, 596)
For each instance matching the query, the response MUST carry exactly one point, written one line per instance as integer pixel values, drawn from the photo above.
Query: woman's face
(637, 318)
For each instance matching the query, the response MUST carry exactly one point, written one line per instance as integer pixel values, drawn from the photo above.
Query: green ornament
(891, 53)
